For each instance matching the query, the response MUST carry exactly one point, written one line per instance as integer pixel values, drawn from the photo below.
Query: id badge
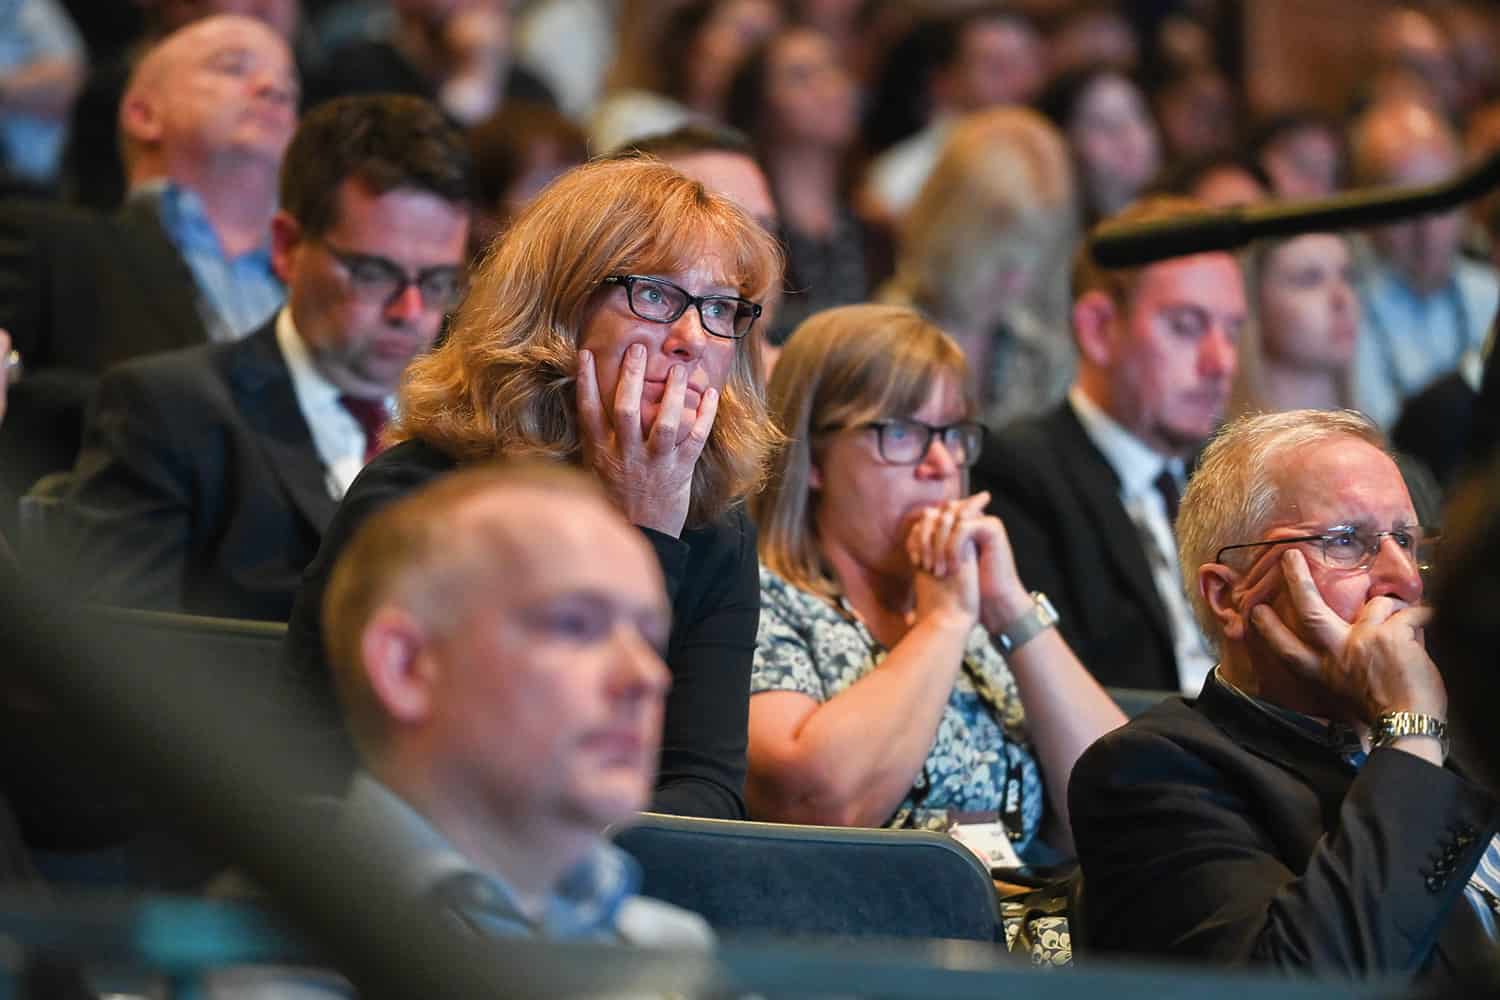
(989, 841)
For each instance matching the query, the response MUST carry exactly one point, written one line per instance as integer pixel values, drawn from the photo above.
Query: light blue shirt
(235, 295)
(31, 31)
(1407, 340)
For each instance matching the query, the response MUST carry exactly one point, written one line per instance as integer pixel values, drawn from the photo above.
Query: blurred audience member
(1092, 33)
(981, 57)
(1302, 152)
(611, 327)
(683, 74)
(204, 124)
(904, 675)
(570, 45)
(1088, 492)
(208, 476)
(1408, 39)
(1198, 113)
(1299, 351)
(1425, 306)
(1298, 816)
(796, 102)
(42, 69)
(454, 52)
(494, 637)
(517, 151)
(93, 170)
(1113, 137)
(1471, 31)
(983, 255)
(1219, 180)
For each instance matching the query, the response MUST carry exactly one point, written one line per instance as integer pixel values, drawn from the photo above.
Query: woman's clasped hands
(964, 566)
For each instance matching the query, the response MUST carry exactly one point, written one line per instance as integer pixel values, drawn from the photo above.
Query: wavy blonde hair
(503, 381)
(1001, 193)
(841, 366)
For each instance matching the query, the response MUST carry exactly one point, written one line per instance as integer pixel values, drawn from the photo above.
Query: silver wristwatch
(1393, 725)
(1041, 617)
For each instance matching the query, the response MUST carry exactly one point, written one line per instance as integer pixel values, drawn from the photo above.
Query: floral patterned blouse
(981, 759)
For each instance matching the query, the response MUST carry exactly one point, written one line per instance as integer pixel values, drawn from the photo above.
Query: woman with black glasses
(612, 326)
(903, 674)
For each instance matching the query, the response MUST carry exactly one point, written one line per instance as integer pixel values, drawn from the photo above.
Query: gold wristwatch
(1391, 726)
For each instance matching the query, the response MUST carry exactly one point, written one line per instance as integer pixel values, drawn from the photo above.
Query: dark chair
(40, 535)
(1134, 701)
(805, 881)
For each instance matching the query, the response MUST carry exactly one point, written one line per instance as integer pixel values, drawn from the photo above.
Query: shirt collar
(585, 903)
(182, 216)
(1340, 737)
(309, 383)
(1134, 463)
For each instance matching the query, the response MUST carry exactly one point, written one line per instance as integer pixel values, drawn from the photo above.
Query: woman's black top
(712, 581)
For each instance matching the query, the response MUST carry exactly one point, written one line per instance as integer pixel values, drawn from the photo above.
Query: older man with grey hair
(1301, 813)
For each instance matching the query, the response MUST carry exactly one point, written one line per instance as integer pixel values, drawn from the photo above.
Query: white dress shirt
(1137, 468)
(337, 436)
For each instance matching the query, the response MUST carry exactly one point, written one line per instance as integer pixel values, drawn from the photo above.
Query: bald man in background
(1425, 306)
(204, 123)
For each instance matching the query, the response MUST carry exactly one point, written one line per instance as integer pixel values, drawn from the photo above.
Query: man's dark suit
(79, 292)
(199, 487)
(1217, 832)
(1073, 540)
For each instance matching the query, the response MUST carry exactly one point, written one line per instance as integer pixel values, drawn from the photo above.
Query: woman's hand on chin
(649, 476)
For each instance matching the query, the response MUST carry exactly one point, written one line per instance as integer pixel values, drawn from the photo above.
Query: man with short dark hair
(208, 475)
(1088, 491)
(1298, 815)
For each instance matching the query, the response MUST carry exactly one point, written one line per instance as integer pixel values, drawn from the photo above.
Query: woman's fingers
(703, 425)
(590, 409)
(669, 414)
(628, 390)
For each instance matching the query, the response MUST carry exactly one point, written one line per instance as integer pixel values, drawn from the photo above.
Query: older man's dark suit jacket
(198, 487)
(1059, 499)
(79, 292)
(1219, 833)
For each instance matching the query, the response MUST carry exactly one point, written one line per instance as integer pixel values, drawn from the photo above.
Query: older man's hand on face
(1376, 664)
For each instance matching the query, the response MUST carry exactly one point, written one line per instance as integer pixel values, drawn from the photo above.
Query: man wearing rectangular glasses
(1300, 814)
(208, 475)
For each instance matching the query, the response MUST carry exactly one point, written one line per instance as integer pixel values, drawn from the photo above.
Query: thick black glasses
(379, 280)
(905, 442)
(659, 301)
(1349, 547)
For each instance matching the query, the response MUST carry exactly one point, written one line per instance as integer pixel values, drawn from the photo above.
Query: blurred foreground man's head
(495, 639)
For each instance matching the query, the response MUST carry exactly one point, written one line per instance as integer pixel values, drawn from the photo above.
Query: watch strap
(1391, 726)
(1041, 616)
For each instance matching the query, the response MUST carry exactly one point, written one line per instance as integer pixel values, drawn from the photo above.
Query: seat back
(40, 539)
(795, 880)
(1134, 701)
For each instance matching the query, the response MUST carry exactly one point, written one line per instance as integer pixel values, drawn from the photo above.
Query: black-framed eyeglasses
(657, 300)
(1352, 547)
(377, 279)
(905, 442)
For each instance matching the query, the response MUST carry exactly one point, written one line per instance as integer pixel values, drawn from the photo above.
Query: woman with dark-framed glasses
(613, 326)
(903, 674)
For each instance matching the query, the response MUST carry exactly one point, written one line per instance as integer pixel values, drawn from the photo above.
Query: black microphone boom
(1141, 243)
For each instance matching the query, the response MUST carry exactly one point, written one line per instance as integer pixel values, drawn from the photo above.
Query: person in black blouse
(613, 327)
